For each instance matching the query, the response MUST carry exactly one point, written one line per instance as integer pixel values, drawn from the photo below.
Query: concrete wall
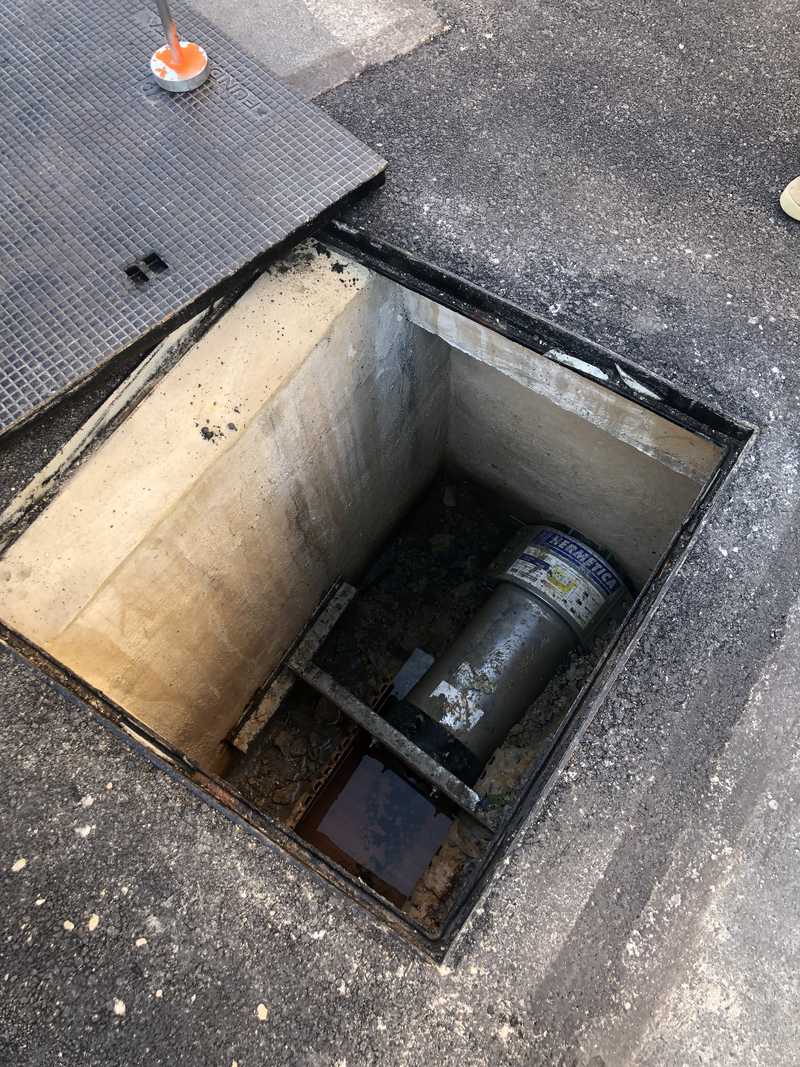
(175, 567)
(561, 448)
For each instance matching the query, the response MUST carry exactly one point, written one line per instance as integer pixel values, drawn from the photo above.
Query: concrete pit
(332, 425)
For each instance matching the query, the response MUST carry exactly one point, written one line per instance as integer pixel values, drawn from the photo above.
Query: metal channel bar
(256, 717)
(442, 780)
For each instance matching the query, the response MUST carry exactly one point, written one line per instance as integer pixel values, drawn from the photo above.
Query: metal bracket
(432, 772)
(333, 606)
(299, 664)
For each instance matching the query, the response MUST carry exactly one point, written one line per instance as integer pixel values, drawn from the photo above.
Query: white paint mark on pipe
(462, 700)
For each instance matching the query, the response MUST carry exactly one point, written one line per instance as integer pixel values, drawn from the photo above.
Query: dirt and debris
(213, 433)
(420, 591)
(529, 742)
(291, 758)
(294, 259)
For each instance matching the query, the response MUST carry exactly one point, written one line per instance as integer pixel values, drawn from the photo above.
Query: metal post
(170, 30)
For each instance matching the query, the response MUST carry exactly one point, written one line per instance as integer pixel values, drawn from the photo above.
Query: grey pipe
(553, 592)
(497, 666)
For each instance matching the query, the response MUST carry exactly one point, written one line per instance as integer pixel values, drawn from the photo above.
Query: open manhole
(358, 557)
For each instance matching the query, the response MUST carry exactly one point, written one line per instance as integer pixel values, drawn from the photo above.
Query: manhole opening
(358, 562)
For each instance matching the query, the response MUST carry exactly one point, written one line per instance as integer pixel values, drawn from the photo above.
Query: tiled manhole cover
(123, 206)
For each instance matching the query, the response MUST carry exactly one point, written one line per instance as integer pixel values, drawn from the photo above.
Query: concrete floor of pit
(615, 169)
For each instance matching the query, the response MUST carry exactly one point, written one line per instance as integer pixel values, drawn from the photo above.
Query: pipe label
(567, 574)
(581, 556)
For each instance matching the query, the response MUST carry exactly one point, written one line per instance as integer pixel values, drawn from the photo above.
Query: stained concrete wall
(553, 466)
(182, 559)
(561, 448)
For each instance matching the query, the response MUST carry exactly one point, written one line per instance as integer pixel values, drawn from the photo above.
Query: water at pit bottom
(376, 823)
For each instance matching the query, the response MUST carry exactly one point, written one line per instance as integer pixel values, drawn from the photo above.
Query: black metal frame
(541, 336)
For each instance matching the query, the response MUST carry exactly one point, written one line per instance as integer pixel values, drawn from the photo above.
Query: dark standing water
(376, 823)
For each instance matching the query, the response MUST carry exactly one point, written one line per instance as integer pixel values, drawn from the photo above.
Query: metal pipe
(499, 663)
(170, 30)
(553, 592)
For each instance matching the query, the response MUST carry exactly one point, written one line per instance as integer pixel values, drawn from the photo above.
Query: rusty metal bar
(254, 721)
(441, 779)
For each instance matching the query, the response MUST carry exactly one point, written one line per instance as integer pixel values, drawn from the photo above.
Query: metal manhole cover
(120, 204)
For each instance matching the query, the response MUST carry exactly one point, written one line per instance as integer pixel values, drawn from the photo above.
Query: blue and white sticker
(567, 574)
